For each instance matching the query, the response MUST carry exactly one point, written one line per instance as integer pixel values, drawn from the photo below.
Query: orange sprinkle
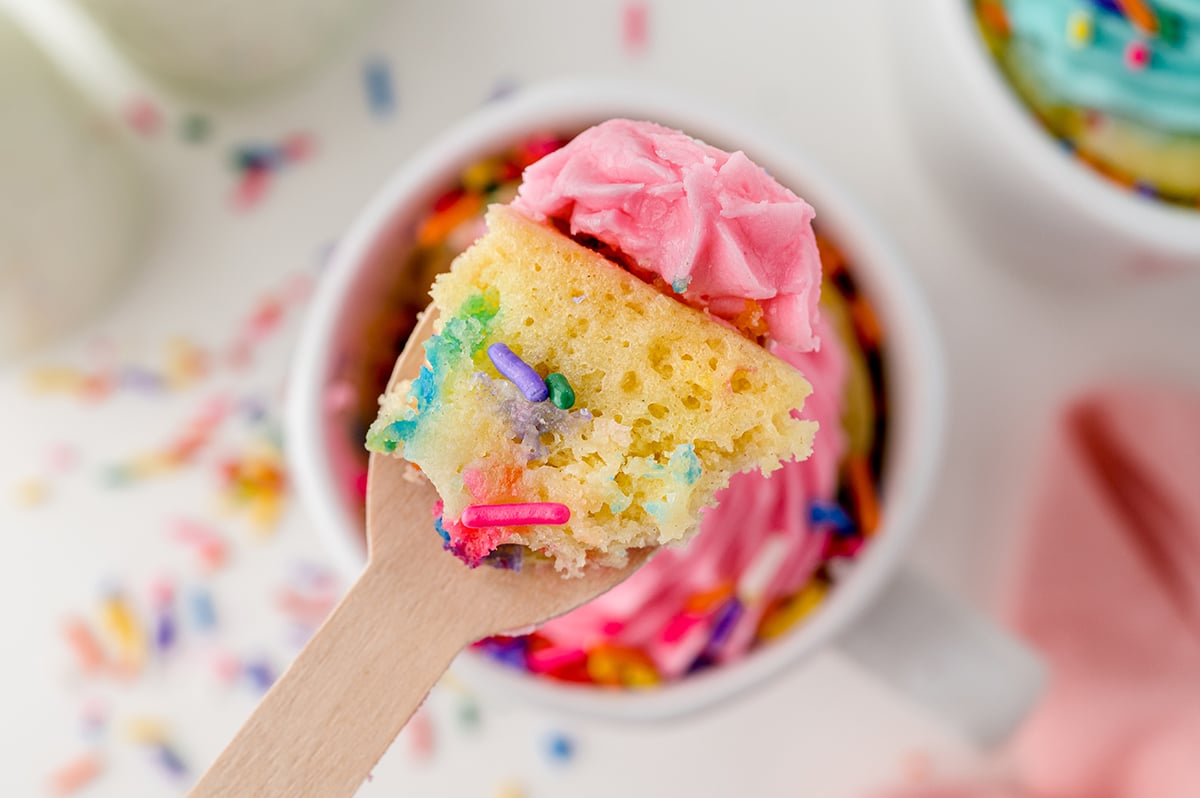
(832, 261)
(866, 323)
(993, 15)
(84, 645)
(862, 489)
(1140, 14)
(439, 225)
(75, 775)
(705, 602)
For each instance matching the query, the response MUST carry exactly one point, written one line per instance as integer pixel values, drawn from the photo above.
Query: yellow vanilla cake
(654, 408)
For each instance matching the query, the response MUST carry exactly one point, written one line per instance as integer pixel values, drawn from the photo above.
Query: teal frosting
(462, 337)
(1165, 95)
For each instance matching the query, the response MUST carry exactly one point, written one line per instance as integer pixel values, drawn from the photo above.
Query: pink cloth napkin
(1108, 589)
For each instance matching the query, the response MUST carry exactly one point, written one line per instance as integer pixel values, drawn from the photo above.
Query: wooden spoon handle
(331, 716)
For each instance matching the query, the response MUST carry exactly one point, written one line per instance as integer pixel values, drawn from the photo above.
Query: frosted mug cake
(1117, 82)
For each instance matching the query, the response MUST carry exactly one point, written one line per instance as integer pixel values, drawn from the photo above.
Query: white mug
(1010, 181)
(884, 617)
(73, 201)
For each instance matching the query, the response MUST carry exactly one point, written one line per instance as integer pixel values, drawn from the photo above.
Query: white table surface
(817, 72)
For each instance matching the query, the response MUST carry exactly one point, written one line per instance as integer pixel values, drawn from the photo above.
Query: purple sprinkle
(261, 674)
(509, 651)
(170, 761)
(164, 632)
(506, 557)
(140, 379)
(726, 619)
(501, 89)
(528, 381)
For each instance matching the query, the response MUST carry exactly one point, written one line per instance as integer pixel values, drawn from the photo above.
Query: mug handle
(947, 657)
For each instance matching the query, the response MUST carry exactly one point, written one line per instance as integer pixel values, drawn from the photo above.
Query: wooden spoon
(330, 717)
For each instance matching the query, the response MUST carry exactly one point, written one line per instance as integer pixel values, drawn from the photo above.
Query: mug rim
(916, 403)
(1159, 226)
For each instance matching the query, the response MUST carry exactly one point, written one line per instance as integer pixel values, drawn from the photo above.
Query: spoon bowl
(334, 712)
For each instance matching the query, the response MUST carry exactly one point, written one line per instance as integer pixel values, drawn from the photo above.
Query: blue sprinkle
(377, 81)
(200, 606)
(257, 158)
(441, 530)
(560, 747)
(830, 514)
(528, 381)
(680, 284)
(1145, 189)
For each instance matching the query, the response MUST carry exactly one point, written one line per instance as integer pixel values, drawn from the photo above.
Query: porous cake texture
(669, 402)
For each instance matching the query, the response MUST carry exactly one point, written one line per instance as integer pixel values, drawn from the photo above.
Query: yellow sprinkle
(31, 493)
(639, 675)
(784, 617)
(119, 621)
(482, 174)
(145, 731)
(510, 790)
(1079, 29)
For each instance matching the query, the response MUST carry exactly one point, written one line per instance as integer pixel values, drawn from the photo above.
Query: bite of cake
(589, 388)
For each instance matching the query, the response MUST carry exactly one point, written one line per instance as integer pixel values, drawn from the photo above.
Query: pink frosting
(755, 513)
(714, 225)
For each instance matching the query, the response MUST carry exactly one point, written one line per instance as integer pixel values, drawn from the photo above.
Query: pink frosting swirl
(713, 225)
(754, 514)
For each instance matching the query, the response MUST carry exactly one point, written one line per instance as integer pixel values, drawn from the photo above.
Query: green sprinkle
(561, 394)
(195, 128)
(1170, 26)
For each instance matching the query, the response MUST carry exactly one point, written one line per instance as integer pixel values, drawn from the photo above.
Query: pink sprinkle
(251, 189)
(63, 458)
(679, 626)
(162, 593)
(225, 667)
(633, 27)
(420, 729)
(207, 544)
(340, 396)
(360, 485)
(298, 147)
(143, 116)
(544, 660)
(1137, 55)
(612, 628)
(478, 516)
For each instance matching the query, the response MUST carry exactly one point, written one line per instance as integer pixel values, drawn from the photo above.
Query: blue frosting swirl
(1093, 73)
